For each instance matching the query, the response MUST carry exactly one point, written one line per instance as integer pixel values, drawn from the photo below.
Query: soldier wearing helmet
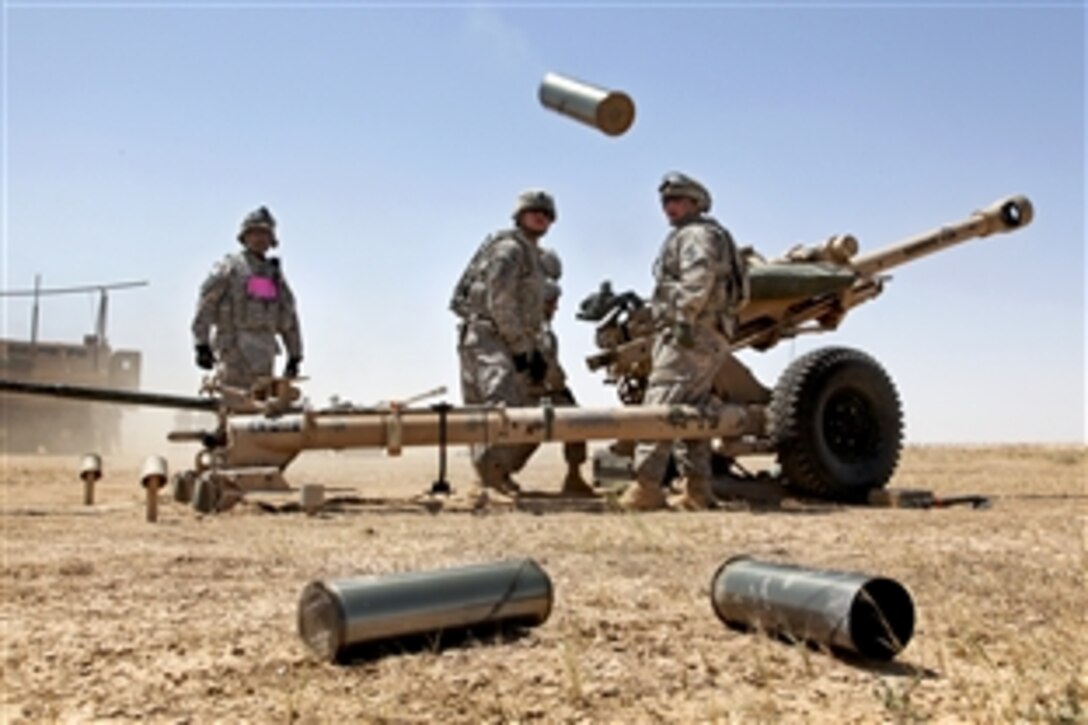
(244, 304)
(499, 299)
(554, 386)
(700, 285)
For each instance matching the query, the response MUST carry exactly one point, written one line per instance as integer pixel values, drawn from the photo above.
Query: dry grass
(193, 619)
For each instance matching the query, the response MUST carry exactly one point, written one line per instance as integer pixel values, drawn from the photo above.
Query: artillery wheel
(720, 465)
(836, 423)
(206, 495)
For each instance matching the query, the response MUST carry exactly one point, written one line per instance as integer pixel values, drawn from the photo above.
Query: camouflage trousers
(681, 375)
(574, 453)
(244, 357)
(488, 377)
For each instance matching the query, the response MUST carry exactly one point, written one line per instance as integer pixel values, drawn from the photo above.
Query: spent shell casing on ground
(611, 112)
(337, 615)
(872, 616)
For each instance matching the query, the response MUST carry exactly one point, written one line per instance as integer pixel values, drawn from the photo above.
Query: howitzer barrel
(106, 395)
(258, 439)
(1005, 215)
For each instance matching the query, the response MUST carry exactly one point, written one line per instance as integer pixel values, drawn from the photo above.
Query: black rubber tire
(837, 424)
(206, 495)
(720, 465)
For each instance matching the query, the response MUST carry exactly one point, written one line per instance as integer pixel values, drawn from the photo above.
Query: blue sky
(388, 141)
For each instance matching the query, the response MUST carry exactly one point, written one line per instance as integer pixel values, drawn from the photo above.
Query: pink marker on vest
(262, 288)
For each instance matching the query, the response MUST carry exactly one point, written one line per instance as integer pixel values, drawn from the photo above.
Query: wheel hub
(850, 428)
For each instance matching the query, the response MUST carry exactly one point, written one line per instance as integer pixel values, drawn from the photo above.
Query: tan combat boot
(508, 487)
(576, 486)
(643, 497)
(497, 488)
(697, 496)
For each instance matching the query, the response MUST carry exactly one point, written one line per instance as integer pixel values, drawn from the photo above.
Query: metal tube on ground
(872, 616)
(335, 616)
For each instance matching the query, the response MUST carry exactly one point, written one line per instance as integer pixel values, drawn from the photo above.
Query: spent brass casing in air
(335, 616)
(611, 112)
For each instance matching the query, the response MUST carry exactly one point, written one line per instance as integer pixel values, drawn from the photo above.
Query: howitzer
(835, 419)
(809, 289)
(259, 433)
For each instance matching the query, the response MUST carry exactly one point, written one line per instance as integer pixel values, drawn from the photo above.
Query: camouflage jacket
(246, 294)
(555, 380)
(504, 286)
(699, 276)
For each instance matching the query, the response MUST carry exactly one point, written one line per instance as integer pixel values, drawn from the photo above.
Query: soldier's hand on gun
(533, 363)
(205, 358)
(538, 367)
(290, 370)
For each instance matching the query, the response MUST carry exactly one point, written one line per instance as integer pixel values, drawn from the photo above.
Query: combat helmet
(259, 218)
(534, 199)
(676, 184)
(550, 264)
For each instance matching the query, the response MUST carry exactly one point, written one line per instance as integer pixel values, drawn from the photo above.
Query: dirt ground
(193, 619)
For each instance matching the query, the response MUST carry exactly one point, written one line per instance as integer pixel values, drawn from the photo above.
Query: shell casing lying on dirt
(336, 615)
(611, 112)
(872, 616)
(260, 440)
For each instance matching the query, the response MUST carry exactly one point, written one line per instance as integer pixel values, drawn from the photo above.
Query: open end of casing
(321, 621)
(881, 619)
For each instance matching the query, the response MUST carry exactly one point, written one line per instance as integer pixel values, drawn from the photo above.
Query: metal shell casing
(873, 616)
(90, 466)
(611, 112)
(336, 615)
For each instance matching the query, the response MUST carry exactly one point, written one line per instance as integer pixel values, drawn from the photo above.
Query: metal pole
(34, 313)
(257, 439)
(100, 323)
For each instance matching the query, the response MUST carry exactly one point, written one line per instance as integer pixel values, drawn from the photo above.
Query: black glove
(538, 367)
(290, 370)
(205, 358)
(533, 363)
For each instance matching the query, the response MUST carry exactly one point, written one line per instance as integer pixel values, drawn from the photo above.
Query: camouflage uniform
(500, 301)
(244, 303)
(694, 306)
(554, 386)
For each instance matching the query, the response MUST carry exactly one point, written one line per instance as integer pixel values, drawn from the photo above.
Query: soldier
(248, 302)
(499, 301)
(554, 385)
(700, 284)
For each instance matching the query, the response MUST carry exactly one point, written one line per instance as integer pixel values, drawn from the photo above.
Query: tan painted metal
(257, 440)
(626, 341)
(1004, 215)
